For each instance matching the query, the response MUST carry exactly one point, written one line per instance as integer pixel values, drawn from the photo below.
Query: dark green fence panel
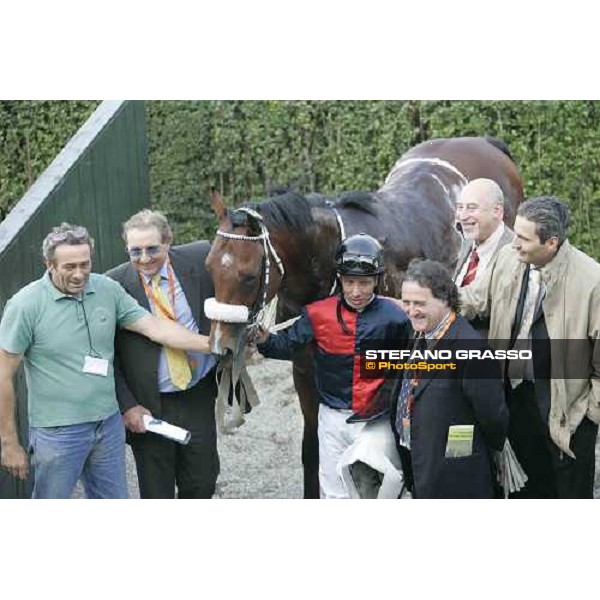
(98, 180)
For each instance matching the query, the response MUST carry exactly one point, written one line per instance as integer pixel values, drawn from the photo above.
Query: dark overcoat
(471, 395)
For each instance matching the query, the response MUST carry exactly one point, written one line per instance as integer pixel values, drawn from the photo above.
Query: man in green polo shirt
(63, 327)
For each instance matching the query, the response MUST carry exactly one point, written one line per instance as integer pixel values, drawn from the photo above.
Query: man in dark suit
(446, 422)
(176, 387)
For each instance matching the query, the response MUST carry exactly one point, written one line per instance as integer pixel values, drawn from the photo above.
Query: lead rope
(232, 375)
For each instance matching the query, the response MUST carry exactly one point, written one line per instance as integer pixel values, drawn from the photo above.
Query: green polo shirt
(49, 329)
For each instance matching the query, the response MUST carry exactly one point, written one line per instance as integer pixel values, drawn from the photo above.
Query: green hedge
(32, 133)
(245, 148)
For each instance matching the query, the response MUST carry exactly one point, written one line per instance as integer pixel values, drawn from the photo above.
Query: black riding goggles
(358, 263)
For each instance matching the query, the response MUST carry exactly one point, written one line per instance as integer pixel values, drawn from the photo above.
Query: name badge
(95, 366)
(460, 441)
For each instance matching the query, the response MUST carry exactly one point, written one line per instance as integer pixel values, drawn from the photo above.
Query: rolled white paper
(177, 434)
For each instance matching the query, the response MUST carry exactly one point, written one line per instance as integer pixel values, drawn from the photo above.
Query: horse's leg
(304, 381)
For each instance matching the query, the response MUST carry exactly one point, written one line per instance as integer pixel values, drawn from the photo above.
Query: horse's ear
(218, 205)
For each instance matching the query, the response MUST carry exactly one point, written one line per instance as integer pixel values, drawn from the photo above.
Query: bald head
(480, 209)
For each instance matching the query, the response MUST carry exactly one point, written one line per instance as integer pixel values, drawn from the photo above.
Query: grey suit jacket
(136, 357)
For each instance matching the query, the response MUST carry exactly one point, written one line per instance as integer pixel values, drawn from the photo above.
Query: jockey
(336, 326)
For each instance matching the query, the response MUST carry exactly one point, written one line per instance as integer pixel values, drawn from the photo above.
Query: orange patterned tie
(177, 362)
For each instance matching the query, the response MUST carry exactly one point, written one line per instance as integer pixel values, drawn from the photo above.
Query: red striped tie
(471, 269)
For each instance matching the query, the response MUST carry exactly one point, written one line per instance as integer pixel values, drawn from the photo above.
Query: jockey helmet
(359, 255)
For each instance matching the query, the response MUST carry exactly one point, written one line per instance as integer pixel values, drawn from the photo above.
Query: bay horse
(285, 246)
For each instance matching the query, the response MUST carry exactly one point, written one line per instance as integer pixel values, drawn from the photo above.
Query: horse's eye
(248, 280)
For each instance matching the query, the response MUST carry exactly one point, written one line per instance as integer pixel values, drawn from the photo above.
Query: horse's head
(246, 273)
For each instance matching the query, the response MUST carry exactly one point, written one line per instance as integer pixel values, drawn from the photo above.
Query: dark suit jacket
(136, 357)
(472, 395)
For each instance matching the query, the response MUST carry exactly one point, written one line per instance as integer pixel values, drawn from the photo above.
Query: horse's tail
(497, 143)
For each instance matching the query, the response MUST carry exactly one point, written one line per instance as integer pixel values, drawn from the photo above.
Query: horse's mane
(288, 210)
(292, 211)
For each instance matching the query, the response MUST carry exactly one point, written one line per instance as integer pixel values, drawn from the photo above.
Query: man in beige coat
(543, 289)
(480, 213)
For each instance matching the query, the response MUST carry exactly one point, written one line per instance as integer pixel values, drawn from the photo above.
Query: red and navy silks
(336, 353)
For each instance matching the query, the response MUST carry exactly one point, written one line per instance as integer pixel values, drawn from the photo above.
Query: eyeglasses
(77, 233)
(136, 253)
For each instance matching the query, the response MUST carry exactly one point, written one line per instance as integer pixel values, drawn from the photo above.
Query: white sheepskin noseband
(227, 313)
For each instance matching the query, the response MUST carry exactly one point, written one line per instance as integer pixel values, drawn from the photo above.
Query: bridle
(230, 313)
(219, 310)
(340, 223)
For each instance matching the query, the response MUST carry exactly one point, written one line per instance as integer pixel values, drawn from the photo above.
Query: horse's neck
(308, 258)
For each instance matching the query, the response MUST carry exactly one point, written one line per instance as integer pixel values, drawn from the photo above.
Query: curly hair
(65, 233)
(435, 276)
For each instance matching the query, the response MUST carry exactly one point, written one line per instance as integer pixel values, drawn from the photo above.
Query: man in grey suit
(176, 387)
(480, 212)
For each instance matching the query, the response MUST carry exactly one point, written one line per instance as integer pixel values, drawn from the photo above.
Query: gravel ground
(262, 459)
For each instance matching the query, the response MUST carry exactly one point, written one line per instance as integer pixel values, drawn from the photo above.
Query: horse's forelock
(238, 218)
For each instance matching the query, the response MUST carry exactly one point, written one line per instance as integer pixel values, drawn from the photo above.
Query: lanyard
(92, 350)
(168, 311)
(438, 333)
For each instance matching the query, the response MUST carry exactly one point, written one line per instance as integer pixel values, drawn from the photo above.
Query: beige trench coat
(572, 312)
